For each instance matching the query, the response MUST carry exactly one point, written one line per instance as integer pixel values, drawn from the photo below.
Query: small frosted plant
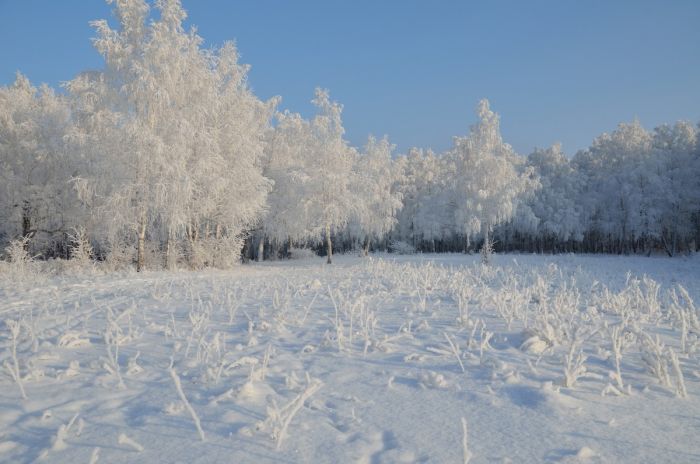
(617, 337)
(278, 419)
(81, 251)
(13, 368)
(653, 354)
(681, 391)
(20, 261)
(188, 406)
(466, 454)
(574, 365)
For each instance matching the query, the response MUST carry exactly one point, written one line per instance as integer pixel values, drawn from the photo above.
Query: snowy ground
(368, 360)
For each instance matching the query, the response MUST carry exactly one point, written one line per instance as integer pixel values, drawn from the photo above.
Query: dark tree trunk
(329, 245)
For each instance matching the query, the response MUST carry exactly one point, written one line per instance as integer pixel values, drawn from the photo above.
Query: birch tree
(189, 135)
(36, 201)
(374, 188)
(490, 180)
(329, 198)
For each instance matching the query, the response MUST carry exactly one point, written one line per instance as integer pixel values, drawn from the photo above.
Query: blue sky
(559, 70)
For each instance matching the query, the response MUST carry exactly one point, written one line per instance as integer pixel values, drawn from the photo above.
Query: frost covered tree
(616, 185)
(36, 200)
(231, 190)
(427, 215)
(289, 166)
(556, 203)
(180, 137)
(310, 165)
(490, 179)
(329, 197)
(377, 199)
(677, 160)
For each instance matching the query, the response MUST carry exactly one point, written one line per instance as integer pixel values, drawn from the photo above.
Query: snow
(381, 359)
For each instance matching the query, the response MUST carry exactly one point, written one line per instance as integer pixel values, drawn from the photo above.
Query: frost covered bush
(19, 264)
(301, 253)
(81, 255)
(81, 250)
(401, 248)
(120, 255)
(221, 253)
(486, 250)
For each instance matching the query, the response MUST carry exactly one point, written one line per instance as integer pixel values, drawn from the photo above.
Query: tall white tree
(427, 215)
(36, 200)
(188, 129)
(329, 199)
(677, 158)
(290, 167)
(490, 180)
(310, 164)
(556, 203)
(377, 199)
(616, 183)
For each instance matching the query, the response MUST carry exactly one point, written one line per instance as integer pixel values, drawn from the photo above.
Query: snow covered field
(547, 359)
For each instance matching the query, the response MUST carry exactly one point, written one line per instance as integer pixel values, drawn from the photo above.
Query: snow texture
(382, 359)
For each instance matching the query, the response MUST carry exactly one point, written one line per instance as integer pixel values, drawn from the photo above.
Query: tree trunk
(664, 242)
(486, 248)
(261, 249)
(329, 245)
(365, 248)
(26, 220)
(169, 250)
(26, 224)
(140, 257)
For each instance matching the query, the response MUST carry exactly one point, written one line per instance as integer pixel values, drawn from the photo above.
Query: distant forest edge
(165, 158)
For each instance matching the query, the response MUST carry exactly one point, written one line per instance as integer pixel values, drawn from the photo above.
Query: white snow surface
(368, 360)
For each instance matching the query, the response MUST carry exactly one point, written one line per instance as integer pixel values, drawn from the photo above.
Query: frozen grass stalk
(124, 440)
(467, 455)
(455, 351)
(574, 366)
(680, 382)
(281, 418)
(195, 418)
(617, 337)
(14, 327)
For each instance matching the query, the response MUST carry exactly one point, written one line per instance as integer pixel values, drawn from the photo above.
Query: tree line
(166, 158)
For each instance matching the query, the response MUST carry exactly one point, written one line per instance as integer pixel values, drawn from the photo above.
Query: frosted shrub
(685, 317)
(120, 256)
(574, 364)
(301, 253)
(654, 356)
(200, 253)
(20, 265)
(153, 256)
(222, 253)
(81, 251)
(486, 250)
(401, 248)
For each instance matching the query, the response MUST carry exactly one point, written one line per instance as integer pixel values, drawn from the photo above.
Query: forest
(534, 308)
(165, 158)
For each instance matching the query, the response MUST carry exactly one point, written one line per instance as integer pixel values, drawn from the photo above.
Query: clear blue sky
(559, 70)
